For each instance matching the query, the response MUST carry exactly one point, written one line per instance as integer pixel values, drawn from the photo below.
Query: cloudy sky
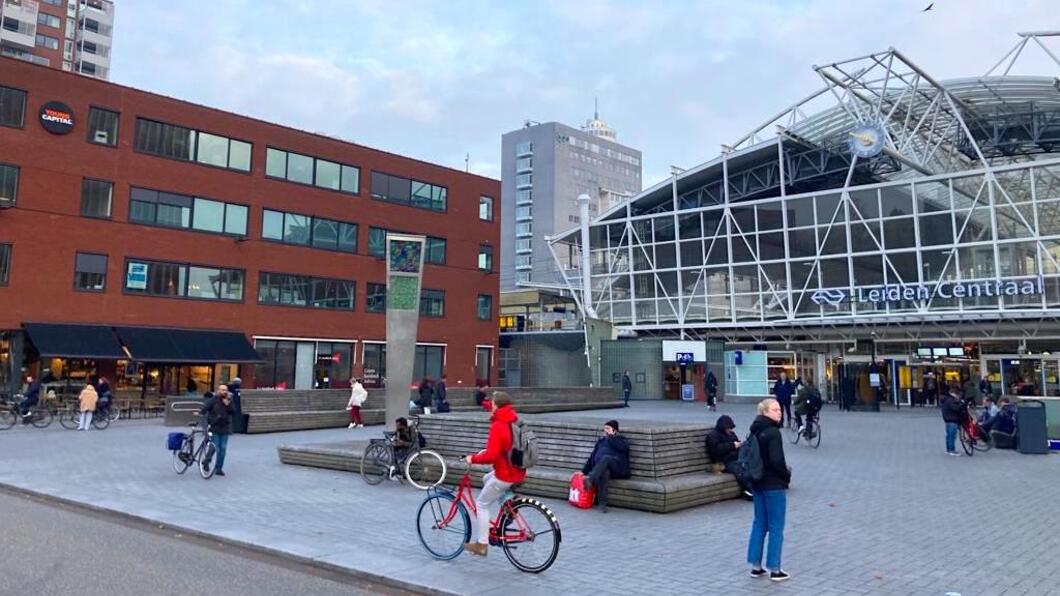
(438, 80)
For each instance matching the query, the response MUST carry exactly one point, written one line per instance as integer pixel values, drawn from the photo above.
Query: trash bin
(1031, 430)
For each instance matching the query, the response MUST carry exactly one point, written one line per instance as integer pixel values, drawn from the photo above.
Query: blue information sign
(685, 357)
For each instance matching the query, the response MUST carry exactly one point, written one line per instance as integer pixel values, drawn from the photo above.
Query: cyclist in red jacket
(504, 474)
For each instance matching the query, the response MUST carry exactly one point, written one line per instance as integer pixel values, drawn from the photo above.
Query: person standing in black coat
(218, 410)
(710, 387)
(609, 459)
(723, 446)
(770, 493)
(952, 413)
(627, 388)
(441, 404)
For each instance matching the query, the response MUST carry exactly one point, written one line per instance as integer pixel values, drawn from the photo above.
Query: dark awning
(153, 344)
(54, 340)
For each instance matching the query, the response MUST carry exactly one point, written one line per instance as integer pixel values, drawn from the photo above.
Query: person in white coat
(358, 394)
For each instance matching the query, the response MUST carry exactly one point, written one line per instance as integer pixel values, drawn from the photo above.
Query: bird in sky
(929, 7)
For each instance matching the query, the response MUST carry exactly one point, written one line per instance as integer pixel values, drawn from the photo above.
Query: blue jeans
(625, 396)
(770, 508)
(220, 443)
(951, 437)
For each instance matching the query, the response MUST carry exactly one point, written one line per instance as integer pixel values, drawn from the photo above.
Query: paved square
(878, 509)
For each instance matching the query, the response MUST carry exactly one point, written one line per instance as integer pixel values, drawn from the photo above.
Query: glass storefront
(293, 364)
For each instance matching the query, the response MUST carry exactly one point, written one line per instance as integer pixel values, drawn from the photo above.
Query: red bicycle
(524, 528)
(971, 434)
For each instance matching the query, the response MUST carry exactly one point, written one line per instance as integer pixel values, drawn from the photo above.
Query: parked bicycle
(70, 418)
(811, 431)
(40, 415)
(422, 468)
(195, 447)
(524, 528)
(971, 434)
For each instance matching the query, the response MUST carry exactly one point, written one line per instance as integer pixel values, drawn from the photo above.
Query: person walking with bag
(88, 399)
(504, 474)
(219, 410)
(769, 493)
(358, 395)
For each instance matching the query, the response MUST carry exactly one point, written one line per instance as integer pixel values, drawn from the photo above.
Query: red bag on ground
(578, 496)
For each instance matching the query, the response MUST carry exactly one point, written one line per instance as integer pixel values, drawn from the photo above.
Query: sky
(440, 81)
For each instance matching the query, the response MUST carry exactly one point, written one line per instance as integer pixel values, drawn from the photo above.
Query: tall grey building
(544, 169)
(74, 35)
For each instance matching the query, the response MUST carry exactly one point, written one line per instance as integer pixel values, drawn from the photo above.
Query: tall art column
(404, 260)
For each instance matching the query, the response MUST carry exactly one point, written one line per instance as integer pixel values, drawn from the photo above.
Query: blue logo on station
(866, 140)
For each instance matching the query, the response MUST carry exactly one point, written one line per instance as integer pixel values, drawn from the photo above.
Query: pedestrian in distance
(505, 474)
(88, 400)
(770, 493)
(783, 389)
(235, 389)
(723, 447)
(985, 388)
(441, 404)
(358, 395)
(426, 391)
(30, 397)
(627, 388)
(482, 395)
(952, 413)
(192, 387)
(218, 410)
(710, 387)
(609, 459)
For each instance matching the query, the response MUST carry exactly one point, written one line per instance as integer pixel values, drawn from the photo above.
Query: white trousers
(492, 491)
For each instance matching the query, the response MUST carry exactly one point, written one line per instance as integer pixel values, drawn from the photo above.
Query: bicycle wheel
(7, 419)
(376, 463)
(68, 419)
(983, 442)
(815, 440)
(425, 469)
(183, 457)
(794, 435)
(101, 421)
(41, 417)
(529, 534)
(206, 467)
(966, 441)
(443, 525)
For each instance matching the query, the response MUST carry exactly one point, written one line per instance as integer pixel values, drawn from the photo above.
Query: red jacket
(499, 446)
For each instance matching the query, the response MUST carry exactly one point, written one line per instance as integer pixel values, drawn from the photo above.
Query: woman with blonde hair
(770, 493)
(88, 399)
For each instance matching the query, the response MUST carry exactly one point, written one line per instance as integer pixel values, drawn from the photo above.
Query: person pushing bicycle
(504, 475)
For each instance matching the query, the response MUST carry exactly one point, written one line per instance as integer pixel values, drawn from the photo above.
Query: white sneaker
(352, 425)
(360, 426)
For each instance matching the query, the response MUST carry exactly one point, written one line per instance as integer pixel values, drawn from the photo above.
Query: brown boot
(476, 548)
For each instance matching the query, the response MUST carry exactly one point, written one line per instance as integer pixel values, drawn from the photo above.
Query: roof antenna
(596, 108)
(467, 162)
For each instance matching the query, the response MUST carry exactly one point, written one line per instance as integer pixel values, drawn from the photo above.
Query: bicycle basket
(175, 440)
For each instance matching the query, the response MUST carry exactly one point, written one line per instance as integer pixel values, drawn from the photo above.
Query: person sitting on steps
(723, 447)
(609, 459)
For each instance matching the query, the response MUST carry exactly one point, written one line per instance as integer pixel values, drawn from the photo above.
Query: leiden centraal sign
(945, 290)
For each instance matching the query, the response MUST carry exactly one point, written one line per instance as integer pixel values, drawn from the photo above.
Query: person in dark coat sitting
(609, 459)
(426, 390)
(723, 446)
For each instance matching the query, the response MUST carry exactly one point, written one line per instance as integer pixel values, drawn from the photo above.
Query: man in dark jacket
(783, 389)
(770, 493)
(627, 388)
(218, 410)
(609, 459)
(30, 398)
(952, 413)
(440, 402)
(710, 387)
(426, 391)
(723, 446)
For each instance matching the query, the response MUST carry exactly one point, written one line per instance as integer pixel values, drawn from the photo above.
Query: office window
(377, 242)
(306, 230)
(306, 169)
(523, 228)
(102, 127)
(484, 307)
(524, 179)
(434, 251)
(485, 257)
(96, 197)
(523, 212)
(397, 189)
(89, 48)
(8, 183)
(285, 289)
(214, 283)
(428, 362)
(158, 278)
(5, 263)
(178, 142)
(524, 195)
(12, 107)
(432, 303)
(172, 210)
(524, 148)
(90, 272)
(375, 298)
(485, 208)
(522, 244)
(46, 41)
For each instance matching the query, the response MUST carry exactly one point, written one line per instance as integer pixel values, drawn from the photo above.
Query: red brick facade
(45, 228)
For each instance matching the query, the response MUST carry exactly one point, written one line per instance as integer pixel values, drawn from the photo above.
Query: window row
(432, 302)
(159, 278)
(304, 169)
(312, 292)
(306, 230)
(409, 192)
(188, 144)
(172, 210)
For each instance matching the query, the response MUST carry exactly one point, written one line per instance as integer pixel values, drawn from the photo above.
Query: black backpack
(749, 465)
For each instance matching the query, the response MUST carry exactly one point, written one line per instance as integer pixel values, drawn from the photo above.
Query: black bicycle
(811, 431)
(70, 418)
(196, 448)
(422, 468)
(39, 415)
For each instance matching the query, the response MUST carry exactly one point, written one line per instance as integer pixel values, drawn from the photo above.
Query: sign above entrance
(56, 117)
(945, 290)
(685, 357)
(673, 349)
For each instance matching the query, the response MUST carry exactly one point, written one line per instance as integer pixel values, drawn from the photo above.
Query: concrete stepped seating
(278, 411)
(670, 470)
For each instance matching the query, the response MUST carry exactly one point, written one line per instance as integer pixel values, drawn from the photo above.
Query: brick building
(130, 223)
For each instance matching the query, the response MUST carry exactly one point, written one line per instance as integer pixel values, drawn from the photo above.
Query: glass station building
(886, 226)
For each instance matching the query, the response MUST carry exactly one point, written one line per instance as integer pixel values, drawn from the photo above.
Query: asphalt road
(51, 549)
